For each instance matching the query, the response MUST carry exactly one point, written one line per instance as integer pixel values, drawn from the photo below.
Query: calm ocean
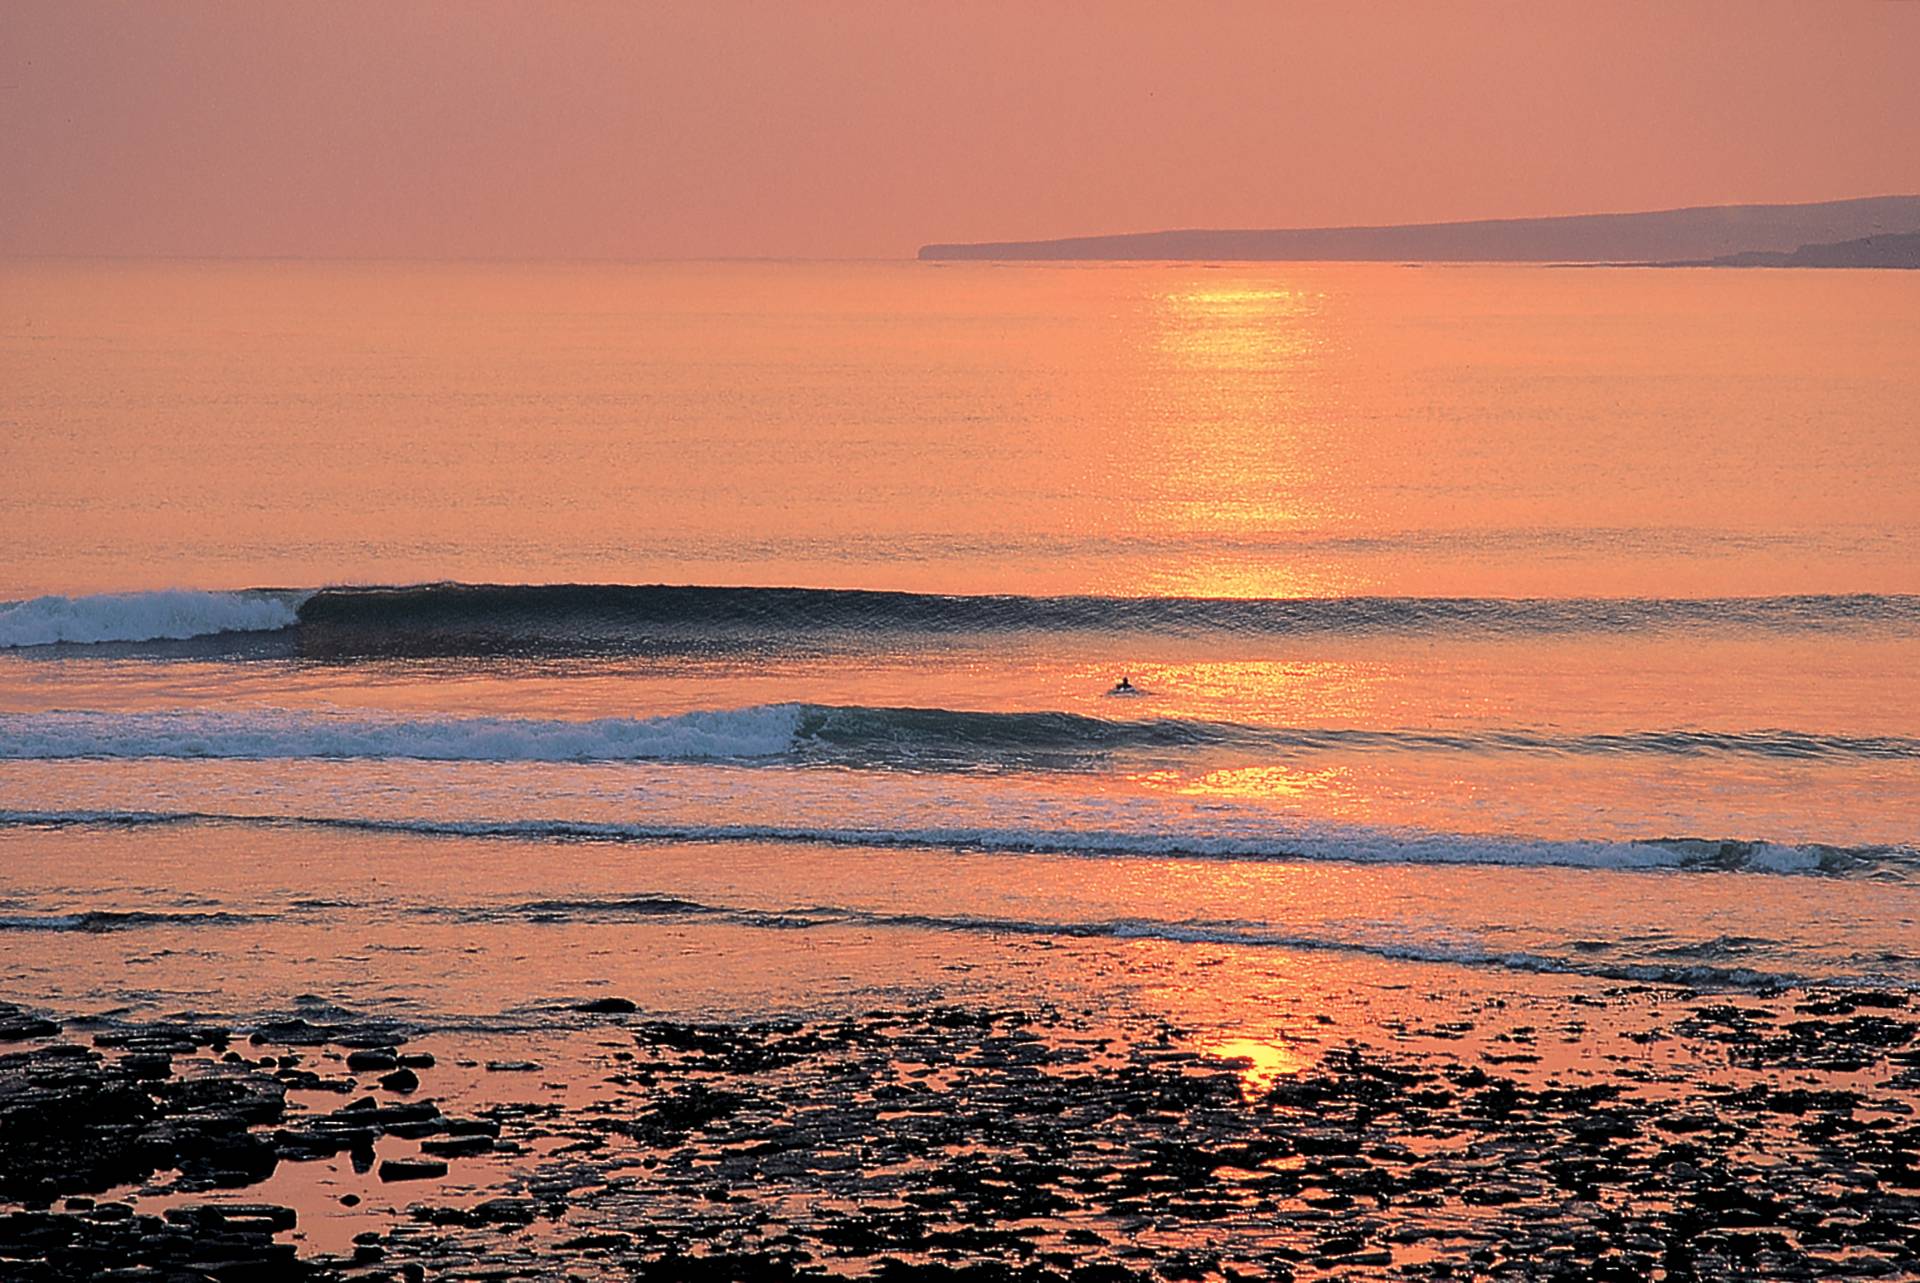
(745, 632)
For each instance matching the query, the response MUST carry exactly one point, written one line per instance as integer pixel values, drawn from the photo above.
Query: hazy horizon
(873, 258)
(495, 131)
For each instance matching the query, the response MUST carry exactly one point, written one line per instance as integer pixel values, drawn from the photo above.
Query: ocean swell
(585, 619)
(926, 739)
(535, 620)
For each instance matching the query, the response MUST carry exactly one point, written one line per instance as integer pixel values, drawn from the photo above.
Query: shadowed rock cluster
(1765, 1140)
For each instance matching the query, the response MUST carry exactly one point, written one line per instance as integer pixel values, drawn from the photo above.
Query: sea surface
(463, 638)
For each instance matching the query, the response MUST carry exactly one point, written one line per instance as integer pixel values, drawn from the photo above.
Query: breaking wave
(144, 616)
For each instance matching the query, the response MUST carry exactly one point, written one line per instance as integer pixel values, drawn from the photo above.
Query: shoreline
(1721, 1132)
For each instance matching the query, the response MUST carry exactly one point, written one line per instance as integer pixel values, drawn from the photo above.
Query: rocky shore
(1711, 1137)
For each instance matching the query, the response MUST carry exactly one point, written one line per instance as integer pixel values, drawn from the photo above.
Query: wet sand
(413, 1059)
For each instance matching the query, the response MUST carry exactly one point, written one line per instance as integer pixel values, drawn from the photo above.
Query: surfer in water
(1124, 687)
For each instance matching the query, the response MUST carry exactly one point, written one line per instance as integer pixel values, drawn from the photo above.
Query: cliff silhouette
(1897, 249)
(1696, 235)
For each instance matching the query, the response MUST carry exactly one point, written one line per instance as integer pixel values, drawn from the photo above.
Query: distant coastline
(1874, 231)
(1897, 249)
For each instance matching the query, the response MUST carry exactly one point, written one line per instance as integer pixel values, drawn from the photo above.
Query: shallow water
(1501, 622)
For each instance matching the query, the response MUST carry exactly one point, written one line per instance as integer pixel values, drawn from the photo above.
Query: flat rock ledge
(1746, 1137)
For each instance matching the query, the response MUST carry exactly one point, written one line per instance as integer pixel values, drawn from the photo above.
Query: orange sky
(530, 129)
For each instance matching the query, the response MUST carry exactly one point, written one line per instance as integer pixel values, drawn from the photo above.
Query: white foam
(1777, 857)
(42, 921)
(171, 615)
(1339, 843)
(761, 731)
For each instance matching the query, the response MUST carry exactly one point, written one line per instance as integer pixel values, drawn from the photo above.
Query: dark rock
(692, 1107)
(472, 1127)
(242, 1216)
(503, 1211)
(400, 1080)
(297, 1032)
(411, 1169)
(146, 1067)
(456, 1146)
(18, 1025)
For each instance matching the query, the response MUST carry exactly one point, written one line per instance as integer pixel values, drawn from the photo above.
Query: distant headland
(1892, 249)
(1873, 231)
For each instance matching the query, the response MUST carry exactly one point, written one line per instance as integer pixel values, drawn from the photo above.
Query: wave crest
(452, 619)
(1348, 844)
(172, 615)
(592, 619)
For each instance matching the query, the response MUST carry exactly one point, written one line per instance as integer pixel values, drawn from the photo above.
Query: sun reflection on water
(1227, 416)
(1263, 781)
(1262, 1063)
